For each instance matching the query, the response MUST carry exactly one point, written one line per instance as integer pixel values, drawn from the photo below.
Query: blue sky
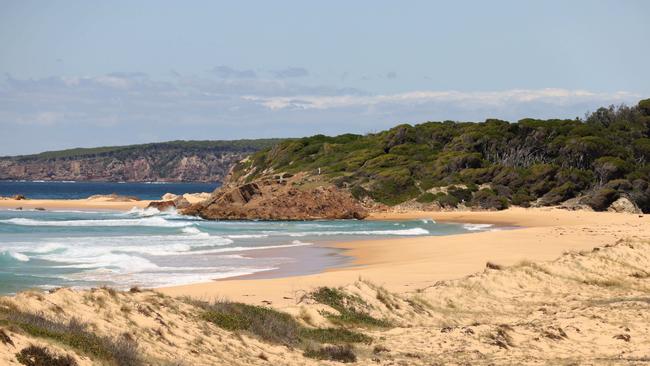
(80, 73)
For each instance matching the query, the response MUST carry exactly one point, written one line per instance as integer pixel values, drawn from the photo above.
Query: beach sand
(79, 204)
(404, 264)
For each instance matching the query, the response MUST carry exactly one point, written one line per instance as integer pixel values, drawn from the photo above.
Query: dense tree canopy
(605, 155)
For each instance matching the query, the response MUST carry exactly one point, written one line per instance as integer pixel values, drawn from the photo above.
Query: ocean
(148, 248)
(77, 190)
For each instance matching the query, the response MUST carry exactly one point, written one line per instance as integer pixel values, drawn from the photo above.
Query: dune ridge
(585, 307)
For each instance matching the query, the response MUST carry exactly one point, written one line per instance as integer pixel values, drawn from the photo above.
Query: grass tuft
(75, 334)
(5, 339)
(343, 353)
(273, 326)
(350, 308)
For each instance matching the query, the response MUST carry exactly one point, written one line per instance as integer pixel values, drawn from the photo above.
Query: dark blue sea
(77, 190)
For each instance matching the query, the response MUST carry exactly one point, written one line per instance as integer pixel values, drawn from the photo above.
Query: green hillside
(602, 157)
(186, 146)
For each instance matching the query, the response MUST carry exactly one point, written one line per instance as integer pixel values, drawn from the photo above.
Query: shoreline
(406, 264)
(72, 204)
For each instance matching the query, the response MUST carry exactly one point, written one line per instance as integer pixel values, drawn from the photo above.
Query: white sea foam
(48, 247)
(192, 230)
(247, 236)
(295, 243)
(17, 256)
(147, 221)
(477, 227)
(405, 232)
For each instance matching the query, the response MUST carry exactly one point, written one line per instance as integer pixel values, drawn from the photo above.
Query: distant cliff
(174, 161)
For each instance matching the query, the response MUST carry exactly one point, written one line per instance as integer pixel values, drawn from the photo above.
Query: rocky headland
(279, 197)
(175, 161)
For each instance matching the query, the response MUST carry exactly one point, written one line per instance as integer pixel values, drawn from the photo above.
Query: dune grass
(349, 307)
(274, 326)
(75, 335)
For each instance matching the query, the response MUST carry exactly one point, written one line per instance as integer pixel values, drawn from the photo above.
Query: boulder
(623, 204)
(169, 197)
(181, 202)
(197, 197)
(177, 203)
(19, 197)
(162, 205)
(575, 204)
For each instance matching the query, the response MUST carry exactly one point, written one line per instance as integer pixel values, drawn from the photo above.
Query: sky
(90, 73)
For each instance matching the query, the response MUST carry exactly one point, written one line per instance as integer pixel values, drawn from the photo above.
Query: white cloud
(58, 112)
(473, 99)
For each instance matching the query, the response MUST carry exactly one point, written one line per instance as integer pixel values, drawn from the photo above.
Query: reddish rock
(162, 205)
(273, 199)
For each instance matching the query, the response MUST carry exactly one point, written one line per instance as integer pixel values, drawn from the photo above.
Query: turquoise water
(151, 249)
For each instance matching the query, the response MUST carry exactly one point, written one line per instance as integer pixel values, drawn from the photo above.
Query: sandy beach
(80, 204)
(405, 264)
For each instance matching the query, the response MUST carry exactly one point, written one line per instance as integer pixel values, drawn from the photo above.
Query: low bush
(41, 356)
(75, 334)
(343, 354)
(601, 199)
(273, 326)
(487, 199)
(426, 197)
(350, 308)
(447, 200)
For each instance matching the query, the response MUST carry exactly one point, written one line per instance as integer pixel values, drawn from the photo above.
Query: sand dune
(586, 307)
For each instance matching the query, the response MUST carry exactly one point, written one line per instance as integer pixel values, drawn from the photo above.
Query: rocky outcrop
(177, 202)
(623, 204)
(278, 199)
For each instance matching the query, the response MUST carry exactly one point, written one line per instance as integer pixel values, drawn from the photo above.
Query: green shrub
(610, 167)
(601, 199)
(487, 199)
(426, 197)
(521, 199)
(447, 200)
(273, 326)
(461, 194)
(343, 354)
(350, 308)
(559, 194)
(75, 334)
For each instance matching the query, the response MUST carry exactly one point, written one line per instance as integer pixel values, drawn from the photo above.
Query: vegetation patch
(333, 353)
(350, 308)
(41, 356)
(274, 326)
(76, 335)
(521, 161)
